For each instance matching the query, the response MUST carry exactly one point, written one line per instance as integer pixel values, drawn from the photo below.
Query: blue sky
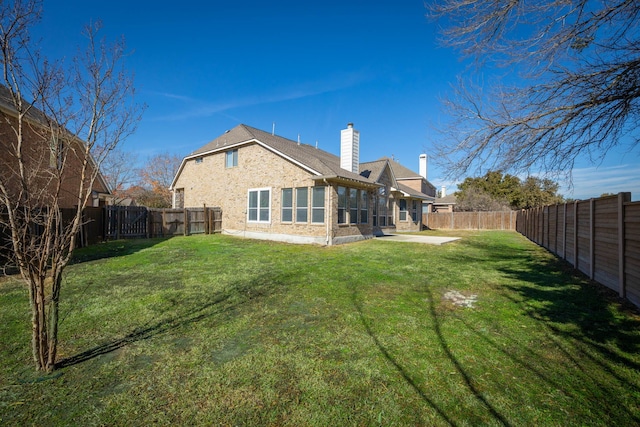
(308, 67)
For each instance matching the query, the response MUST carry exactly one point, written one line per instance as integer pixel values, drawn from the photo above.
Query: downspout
(328, 211)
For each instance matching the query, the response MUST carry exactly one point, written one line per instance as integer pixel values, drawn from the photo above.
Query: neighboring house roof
(400, 171)
(410, 192)
(318, 162)
(446, 200)
(375, 169)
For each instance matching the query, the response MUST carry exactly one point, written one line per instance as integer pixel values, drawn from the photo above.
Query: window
(317, 205)
(364, 207)
(56, 156)
(342, 205)
(382, 207)
(232, 158)
(259, 208)
(414, 211)
(403, 209)
(302, 204)
(353, 206)
(287, 205)
(198, 160)
(375, 211)
(178, 198)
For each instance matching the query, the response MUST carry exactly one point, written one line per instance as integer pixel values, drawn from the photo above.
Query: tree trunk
(53, 323)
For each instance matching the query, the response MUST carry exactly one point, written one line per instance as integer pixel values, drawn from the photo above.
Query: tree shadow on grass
(401, 370)
(227, 300)
(114, 248)
(581, 317)
(443, 343)
(550, 290)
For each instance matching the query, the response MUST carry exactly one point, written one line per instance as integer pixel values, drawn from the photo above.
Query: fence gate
(125, 222)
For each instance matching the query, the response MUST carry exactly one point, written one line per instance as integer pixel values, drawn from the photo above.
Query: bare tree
(572, 73)
(58, 124)
(117, 169)
(156, 176)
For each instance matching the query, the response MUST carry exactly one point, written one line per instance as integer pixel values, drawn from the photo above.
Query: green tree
(494, 190)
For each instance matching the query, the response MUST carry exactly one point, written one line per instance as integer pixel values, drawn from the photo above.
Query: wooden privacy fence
(470, 220)
(172, 222)
(141, 222)
(600, 237)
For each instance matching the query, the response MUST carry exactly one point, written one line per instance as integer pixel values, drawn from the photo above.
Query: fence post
(564, 232)
(205, 218)
(592, 232)
(575, 234)
(118, 213)
(622, 285)
(186, 222)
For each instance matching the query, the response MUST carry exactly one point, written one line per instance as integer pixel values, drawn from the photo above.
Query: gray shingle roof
(413, 193)
(319, 162)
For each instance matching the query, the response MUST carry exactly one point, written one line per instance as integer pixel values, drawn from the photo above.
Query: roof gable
(318, 162)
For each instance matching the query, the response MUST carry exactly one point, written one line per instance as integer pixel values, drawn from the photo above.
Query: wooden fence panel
(605, 242)
(470, 220)
(599, 237)
(168, 222)
(584, 237)
(632, 251)
(92, 231)
(125, 222)
(196, 220)
(569, 250)
(552, 228)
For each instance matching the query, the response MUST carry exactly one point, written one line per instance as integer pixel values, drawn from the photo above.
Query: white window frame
(287, 208)
(302, 205)
(317, 209)
(259, 206)
(403, 213)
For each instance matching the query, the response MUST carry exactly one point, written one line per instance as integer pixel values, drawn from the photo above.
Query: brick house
(43, 157)
(270, 187)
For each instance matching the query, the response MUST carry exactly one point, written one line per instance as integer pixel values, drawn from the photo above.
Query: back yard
(214, 330)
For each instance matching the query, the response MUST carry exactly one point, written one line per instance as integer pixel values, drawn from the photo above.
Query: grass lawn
(215, 330)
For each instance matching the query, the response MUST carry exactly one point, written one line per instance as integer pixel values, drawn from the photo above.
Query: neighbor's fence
(172, 222)
(600, 237)
(126, 222)
(141, 222)
(470, 220)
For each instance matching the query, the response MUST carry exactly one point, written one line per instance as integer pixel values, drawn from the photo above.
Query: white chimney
(423, 166)
(350, 149)
(443, 191)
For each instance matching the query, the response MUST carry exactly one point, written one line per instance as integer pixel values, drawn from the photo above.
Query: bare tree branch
(576, 68)
(46, 165)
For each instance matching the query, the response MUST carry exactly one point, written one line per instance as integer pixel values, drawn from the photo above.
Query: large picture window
(287, 205)
(302, 204)
(317, 205)
(259, 205)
